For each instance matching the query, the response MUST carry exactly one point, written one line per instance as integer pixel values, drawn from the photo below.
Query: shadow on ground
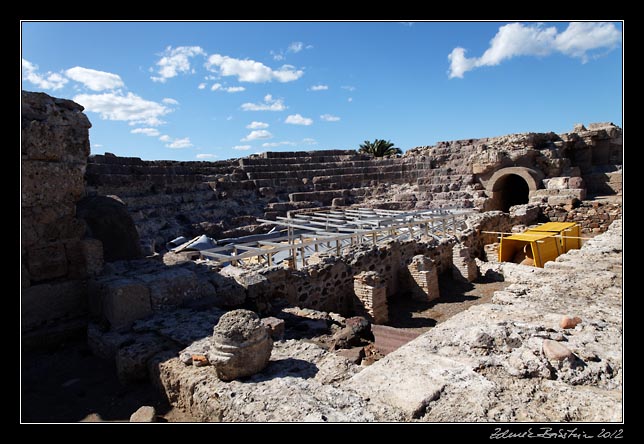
(69, 384)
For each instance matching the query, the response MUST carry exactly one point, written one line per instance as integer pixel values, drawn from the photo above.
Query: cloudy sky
(217, 90)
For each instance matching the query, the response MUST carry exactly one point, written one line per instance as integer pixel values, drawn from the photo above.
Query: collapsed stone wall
(588, 160)
(169, 198)
(515, 359)
(328, 284)
(56, 259)
(593, 216)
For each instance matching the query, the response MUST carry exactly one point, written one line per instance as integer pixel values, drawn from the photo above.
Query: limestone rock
(556, 351)
(241, 345)
(145, 413)
(356, 330)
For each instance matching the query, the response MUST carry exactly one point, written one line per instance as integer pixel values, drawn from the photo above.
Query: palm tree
(379, 148)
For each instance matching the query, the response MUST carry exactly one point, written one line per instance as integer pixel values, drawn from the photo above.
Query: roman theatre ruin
(286, 286)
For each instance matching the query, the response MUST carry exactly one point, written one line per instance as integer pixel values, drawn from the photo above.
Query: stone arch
(512, 186)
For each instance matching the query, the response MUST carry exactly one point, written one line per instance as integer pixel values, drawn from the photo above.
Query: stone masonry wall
(593, 216)
(169, 198)
(55, 259)
(328, 284)
(371, 293)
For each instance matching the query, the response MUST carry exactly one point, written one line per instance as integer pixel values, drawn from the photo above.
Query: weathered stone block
(132, 360)
(46, 302)
(241, 345)
(47, 262)
(172, 288)
(93, 254)
(124, 301)
(145, 413)
(46, 183)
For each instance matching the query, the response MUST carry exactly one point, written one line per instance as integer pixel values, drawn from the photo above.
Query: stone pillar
(464, 265)
(56, 260)
(371, 291)
(492, 252)
(240, 345)
(424, 278)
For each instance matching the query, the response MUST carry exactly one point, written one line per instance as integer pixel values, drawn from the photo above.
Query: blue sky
(218, 90)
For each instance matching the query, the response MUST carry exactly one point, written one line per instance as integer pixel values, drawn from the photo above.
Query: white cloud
(202, 86)
(329, 118)
(152, 132)
(319, 87)
(206, 156)
(50, 80)
(130, 108)
(93, 79)
(309, 141)
(277, 56)
(350, 99)
(256, 135)
(169, 101)
(257, 125)
(165, 138)
(250, 70)
(176, 61)
(297, 119)
(276, 144)
(98, 145)
(581, 37)
(295, 47)
(517, 39)
(348, 87)
(407, 24)
(269, 104)
(230, 89)
(242, 147)
(180, 143)
(229, 118)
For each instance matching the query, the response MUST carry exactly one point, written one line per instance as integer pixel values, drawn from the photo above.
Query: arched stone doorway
(512, 186)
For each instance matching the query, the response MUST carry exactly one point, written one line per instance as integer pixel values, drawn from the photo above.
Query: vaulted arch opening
(512, 186)
(513, 190)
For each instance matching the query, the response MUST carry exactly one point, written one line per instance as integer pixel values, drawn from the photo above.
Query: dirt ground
(69, 384)
(456, 296)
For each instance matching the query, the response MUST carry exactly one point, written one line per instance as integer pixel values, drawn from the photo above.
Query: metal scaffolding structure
(330, 230)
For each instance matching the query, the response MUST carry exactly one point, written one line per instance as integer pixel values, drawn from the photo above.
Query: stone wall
(56, 260)
(594, 216)
(169, 198)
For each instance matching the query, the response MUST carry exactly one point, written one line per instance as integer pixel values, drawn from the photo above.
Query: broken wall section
(55, 259)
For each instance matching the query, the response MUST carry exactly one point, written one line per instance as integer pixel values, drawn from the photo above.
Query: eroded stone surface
(486, 363)
(241, 345)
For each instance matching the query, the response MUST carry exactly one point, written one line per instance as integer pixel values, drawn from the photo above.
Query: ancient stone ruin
(304, 303)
